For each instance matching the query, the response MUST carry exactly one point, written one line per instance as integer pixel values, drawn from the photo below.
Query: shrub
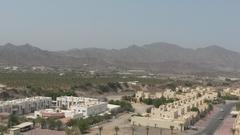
(124, 105)
(195, 109)
(230, 97)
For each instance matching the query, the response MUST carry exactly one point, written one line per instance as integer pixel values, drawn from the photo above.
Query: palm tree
(13, 120)
(233, 130)
(147, 129)
(171, 127)
(133, 130)
(59, 125)
(3, 129)
(116, 128)
(160, 131)
(100, 130)
(181, 125)
(42, 123)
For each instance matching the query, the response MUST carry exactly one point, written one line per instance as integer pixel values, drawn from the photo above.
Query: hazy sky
(65, 24)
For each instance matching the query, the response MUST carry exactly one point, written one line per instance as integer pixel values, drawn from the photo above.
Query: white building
(57, 113)
(26, 105)
(86, 106)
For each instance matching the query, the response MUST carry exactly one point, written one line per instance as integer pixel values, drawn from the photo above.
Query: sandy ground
(118, 96)
(108, 128)
(126, 129)
(39, 131)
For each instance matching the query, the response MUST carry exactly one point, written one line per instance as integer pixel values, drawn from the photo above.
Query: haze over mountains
(159, 57)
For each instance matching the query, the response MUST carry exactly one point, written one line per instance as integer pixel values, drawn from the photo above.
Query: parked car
(193, 128)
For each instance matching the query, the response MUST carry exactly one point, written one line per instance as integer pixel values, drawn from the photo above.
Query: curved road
(217, 120)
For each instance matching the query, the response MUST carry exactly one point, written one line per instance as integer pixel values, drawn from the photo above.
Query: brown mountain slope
(160, 57)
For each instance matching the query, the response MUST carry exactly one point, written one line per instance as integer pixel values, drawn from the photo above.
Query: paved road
(215, 121)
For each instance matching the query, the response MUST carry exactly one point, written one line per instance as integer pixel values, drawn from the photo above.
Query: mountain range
(158, 57)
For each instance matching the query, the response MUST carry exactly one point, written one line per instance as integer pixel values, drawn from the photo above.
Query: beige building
(178, 113)
(142, 94)
(235, 92)
(236, 125)
(146, 95)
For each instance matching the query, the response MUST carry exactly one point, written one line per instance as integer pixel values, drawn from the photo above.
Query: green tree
(219, 94)
(147, 130)
(13, 120)
(40, 121)
(59, 125)
(43, 123)
(51, 123)
(124, 105)
(133, 130)
(195, 109)
(3, 129)
(100, 128)
(171, 128)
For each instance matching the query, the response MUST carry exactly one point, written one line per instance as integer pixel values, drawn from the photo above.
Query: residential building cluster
(177, 94)
(26, 105)
(66, 107)
(69, 107)
(86, 106)
(179, 113)
(232, 91)
(236, 125)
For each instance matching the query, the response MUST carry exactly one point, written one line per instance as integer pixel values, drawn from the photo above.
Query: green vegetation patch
(158, 101)
(124, 105)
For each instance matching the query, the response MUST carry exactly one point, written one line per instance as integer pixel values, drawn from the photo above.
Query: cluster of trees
(158, 101)
(195, 109)
(36, 90)
(49, 123)
(81, 125)
(109, 87)
(50, 93)
(68, 81)
(124, 105)
(3, 129)
(13, 120)
(172, 84)
(84, 124)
